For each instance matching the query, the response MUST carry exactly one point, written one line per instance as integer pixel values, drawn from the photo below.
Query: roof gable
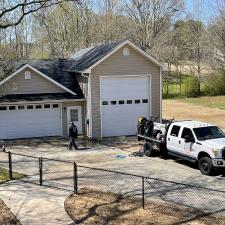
(56, 69)
(91, 58)
(85, 58)
(37, 72)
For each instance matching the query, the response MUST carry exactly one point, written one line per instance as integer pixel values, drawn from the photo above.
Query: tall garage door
(34, 120)
(124, 99)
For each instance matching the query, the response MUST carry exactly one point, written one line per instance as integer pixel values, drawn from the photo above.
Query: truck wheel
(223, 172)
(206, 167)
(148, 150)
(164, 152)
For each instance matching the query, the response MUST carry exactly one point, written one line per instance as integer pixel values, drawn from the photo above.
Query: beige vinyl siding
(64, 115)
(117, 64)
(36, 85)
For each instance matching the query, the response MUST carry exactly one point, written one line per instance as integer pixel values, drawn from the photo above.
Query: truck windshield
(206, 133)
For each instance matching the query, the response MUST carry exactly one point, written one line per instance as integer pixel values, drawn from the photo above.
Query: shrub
(215, 85)
(191, 86)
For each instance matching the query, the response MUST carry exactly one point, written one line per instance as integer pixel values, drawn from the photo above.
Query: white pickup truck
(189, 140)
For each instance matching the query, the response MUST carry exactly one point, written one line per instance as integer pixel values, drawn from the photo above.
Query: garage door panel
(113, 88)
(30, 123)
(121, 123)
(121, 118)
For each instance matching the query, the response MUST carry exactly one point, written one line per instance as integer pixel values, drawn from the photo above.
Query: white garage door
(34, 120)
(124, 99)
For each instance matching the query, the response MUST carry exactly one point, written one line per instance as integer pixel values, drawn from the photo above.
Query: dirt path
(180, 110)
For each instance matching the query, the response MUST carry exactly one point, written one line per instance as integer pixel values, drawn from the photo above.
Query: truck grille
(223, 153)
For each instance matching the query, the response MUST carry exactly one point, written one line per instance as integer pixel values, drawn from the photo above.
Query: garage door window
(21, 107)
(55, 106)
(47, 106)
(137, 101)
(30, 107)
(113, 102)
(12, 107)
(144, 100)
(38, 106)
(121, 102)
(105, 103)
(2, 108)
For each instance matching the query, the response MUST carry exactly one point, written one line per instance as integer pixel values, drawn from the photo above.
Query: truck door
(173, 139)
(188, 146)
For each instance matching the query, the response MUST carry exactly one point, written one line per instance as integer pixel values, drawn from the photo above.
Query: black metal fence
(67, 175)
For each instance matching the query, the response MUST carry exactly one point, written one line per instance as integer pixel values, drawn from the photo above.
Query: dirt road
(180, 110)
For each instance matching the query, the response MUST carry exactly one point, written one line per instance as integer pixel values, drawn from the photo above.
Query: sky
(207, 8)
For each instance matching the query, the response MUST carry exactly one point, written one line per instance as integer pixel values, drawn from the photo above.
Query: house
(104, 89)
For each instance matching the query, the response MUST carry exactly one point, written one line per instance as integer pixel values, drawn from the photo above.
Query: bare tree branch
(13, 14)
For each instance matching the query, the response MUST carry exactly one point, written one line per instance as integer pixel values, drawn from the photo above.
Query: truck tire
(206, 166)
(164, 152)
(148, 150)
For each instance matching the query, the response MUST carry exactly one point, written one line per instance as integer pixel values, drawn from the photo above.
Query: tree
(12, 12)
(217, 34)
(152, 19)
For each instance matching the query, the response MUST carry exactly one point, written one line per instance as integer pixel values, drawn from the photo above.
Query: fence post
(10, 165)
(143, 192)
(40, 171)
(75, 177)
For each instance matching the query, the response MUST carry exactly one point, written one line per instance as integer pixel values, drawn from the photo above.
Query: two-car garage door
(33, 120)
(123, 100)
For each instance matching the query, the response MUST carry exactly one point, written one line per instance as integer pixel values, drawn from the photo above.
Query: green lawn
(212, 102)
(4, 175)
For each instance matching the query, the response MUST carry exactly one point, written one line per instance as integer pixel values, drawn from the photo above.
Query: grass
(212, 102)
(4, 175)
(175, 92)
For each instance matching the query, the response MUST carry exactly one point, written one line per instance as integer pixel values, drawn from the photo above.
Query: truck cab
(197, 141)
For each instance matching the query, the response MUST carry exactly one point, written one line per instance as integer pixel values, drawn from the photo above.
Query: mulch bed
(92, 207)
(6, 216)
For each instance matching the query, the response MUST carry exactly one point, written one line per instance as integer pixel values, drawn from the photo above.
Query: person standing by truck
(73, 132)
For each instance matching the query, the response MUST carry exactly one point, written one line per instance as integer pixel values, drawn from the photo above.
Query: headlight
(217, 153)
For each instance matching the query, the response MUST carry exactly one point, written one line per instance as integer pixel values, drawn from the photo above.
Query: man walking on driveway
(73, 135)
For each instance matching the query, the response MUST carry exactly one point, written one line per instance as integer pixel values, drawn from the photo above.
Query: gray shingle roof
(89, 56)
(56, 69)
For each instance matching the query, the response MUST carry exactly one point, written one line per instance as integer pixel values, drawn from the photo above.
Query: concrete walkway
(35, 205)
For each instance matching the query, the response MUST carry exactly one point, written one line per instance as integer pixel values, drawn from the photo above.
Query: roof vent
(27, 75)
(126, 51)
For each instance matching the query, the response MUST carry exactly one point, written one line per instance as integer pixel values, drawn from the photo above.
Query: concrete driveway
(35, 205)
(106, 155)
(115, 154)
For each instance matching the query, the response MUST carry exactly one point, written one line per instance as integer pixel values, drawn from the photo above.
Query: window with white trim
(74, 115)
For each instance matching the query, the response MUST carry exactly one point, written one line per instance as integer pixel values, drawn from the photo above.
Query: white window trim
(68, 108)
(41, 74)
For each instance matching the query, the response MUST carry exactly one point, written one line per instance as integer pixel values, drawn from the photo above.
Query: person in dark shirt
(73, 132)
